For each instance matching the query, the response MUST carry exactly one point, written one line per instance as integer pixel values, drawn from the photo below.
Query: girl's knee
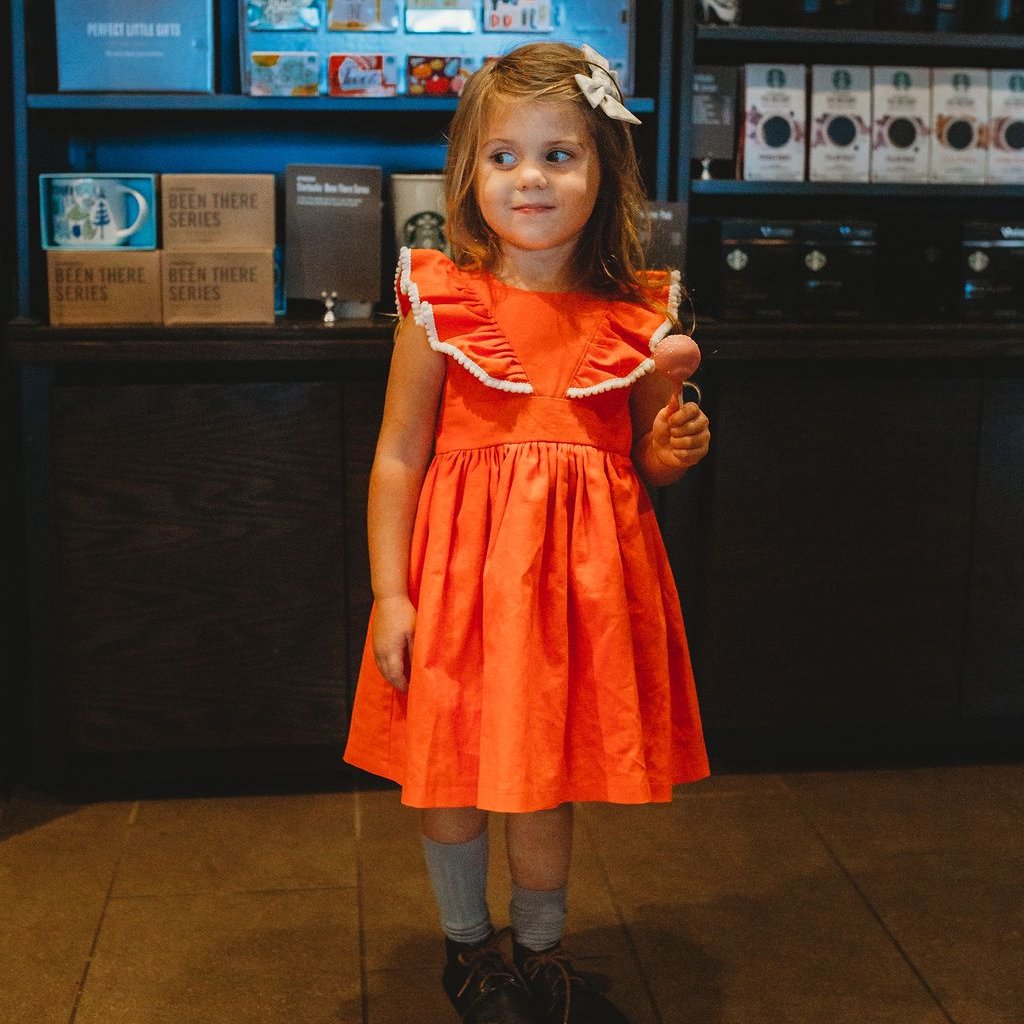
(453, 824)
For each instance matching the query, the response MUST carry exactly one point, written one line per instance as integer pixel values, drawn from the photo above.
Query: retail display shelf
(882, 190)
(771, 35)
(185, 102)
(29, 341)
(722, 341)
(370, 340)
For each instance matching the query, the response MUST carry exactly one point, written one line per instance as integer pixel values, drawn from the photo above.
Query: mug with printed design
(97, 211)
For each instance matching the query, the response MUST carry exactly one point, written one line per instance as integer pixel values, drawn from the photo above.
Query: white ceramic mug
(93, 212)
(417, 203)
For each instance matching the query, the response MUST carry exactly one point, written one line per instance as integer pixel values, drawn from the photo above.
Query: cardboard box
(775, 122)
(118, 286)
(959, 149)
(143, 46)
(1006, 127)
(901, 100)
(840, 133)
(218, 211)
(207, 286)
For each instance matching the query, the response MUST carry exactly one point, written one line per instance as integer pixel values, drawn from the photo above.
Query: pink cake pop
(677, 357)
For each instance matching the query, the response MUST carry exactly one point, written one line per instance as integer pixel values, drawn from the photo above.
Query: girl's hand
(394, 624)
(680, 434)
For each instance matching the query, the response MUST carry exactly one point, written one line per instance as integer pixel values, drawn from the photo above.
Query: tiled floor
(845, 898)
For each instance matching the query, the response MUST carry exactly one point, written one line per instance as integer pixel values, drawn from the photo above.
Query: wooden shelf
(771, 35)
(722, 341)
(286, 340)
(370, 341)
(881, 190)
(231, 102)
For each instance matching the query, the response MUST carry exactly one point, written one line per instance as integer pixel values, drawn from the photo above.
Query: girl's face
(537, 175)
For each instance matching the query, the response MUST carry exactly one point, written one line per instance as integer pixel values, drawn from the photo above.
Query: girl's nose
(532, 175)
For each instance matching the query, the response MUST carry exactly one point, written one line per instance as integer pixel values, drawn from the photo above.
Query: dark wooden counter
(850, 556)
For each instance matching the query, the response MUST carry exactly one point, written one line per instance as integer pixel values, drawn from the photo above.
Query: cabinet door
(839, 539)
(994, 667)
(201, 564)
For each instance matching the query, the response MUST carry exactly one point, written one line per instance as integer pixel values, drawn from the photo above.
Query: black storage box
(756, 270)
(918, 270)
(836, 268)
(992, 269)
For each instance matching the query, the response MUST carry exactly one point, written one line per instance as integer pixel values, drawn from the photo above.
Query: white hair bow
(602, 87)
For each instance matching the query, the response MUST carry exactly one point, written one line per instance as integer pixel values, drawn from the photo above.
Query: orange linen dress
(550, 662)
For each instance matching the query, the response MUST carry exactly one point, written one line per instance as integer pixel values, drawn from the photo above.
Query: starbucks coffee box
(992, 271)
(959, 148)
(775, 122)
(217, 211)
(1006, 127)
(757, 270)
(333, 232)
(837, 267)
(901, 101)
(840, 131)
(218, 286)
(137, 46)
(103, 286)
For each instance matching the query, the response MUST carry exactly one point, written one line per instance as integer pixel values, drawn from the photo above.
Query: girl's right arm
(403, 452)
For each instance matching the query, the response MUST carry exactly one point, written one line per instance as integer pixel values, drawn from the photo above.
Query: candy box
(434, 76)
(284, 73)
(362, 74)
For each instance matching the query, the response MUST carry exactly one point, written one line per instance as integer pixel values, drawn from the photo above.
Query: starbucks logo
(737, 259)
(978, 261)
(815, 260)
(425, 230)
(842, 80)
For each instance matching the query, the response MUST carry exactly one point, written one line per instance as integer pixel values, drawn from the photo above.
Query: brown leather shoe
(561, 993)
(483, 985)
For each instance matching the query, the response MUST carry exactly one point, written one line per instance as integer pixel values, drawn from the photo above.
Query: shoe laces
(488, 967)
(559, 972)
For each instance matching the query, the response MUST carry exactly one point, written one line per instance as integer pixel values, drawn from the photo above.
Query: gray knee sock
(458, 873)
(538, 917)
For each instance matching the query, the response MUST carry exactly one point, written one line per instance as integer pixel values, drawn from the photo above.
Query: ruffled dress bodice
(550, 660)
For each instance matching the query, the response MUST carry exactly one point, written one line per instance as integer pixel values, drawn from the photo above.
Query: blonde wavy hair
(609, 259)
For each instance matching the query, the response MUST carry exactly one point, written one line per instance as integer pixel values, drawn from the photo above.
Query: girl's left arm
(668, 438)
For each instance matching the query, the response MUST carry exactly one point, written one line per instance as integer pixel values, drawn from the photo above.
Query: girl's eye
(558, 156)
(503, 159)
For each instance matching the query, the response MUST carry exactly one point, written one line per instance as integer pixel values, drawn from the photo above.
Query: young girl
(509, 530)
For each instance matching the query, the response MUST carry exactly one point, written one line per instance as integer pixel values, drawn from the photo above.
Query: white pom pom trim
(423, 314)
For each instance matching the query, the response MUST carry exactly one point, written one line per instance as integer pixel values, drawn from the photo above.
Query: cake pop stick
(677, 357)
